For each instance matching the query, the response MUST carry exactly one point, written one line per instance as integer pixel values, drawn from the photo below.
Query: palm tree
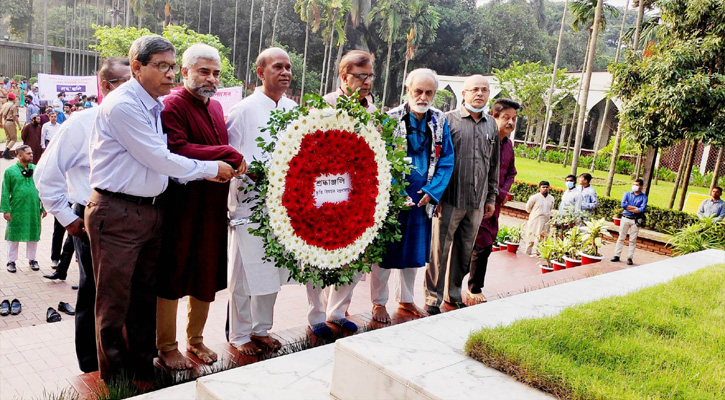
(390, 13)
(249, 47)
(334, 12)
(423, 21)
(309, 12)
(274, 23)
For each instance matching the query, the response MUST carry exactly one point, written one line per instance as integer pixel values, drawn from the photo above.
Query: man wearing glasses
(130, 167)
(469, 197)
(62, 178)
(331, 304)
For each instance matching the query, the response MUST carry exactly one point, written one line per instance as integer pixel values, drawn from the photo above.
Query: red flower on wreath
(333, 225)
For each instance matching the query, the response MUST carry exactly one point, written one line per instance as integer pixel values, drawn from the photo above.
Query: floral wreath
(313, 146)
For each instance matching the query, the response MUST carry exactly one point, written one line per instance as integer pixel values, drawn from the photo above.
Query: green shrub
(585, 161)
(701, 235)
(623, 167)
(658, 219)
(602, 163)
(665, 174)
(554, 156)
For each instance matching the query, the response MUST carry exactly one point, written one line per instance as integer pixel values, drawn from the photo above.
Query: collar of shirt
(467, 114)
(364, 101)
(146, 99)
(266, 100)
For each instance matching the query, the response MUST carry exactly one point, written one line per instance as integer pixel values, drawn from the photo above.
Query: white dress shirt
(62, 174)
(47, 133)
(249, 274)
(128, 148)
(571, 200)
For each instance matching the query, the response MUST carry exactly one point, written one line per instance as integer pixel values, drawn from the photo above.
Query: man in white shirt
(48, 131)
(571, 199)
(62, 178)
(254, 283)
(589, 195)
(130, 167)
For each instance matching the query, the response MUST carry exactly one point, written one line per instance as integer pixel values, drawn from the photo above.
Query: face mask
(635, 188)
(569, 185)
(474, 110)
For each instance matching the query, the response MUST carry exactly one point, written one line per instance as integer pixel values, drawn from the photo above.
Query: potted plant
(547, 250)
(593, 241)
(559, 251)
(573, 242)
(617, 217)
(513, 239)
(494, 247)
(502, 237)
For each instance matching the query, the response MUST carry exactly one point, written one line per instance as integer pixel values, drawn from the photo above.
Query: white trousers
(31, 249)
(404, 284)
(330, 303)
(626, 226)
(250, 315)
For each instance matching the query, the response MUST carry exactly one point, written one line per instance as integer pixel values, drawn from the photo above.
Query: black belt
(629, 216)
(130, 198)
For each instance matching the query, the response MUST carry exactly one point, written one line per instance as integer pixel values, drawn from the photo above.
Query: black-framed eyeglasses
(165, 67)
(363, 77)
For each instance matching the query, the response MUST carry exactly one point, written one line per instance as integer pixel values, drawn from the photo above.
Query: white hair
(421, 71)
(199, 51)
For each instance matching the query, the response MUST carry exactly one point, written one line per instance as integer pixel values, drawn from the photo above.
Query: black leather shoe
(11, 267)
(629, 261)
(432, 310)
(15, 307)
(74, 287)
(55, 275)
(66, 308)
(51, 315)
(34, 265)
(5, 308)
(615, 259)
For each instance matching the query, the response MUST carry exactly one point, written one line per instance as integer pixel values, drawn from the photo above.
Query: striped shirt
(476, 171)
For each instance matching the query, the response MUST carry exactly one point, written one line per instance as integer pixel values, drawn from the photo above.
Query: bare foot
(380, 314)
(175, 360)
(204, 353)
(249, 349)
(267, 341)
(412, 308)
(475, 298)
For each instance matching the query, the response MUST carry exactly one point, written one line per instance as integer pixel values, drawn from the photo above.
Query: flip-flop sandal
(5, 308)
(51, 315)
(15, 307)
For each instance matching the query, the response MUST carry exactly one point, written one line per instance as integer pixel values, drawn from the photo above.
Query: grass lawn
(531, 171)
(663, 342)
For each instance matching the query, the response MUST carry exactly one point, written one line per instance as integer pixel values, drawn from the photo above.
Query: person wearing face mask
(31, 136)
(571, 199)
(469, 198)
(193, 257)
(21, 208)
(634, 204)
(430, 148)
(505, 112)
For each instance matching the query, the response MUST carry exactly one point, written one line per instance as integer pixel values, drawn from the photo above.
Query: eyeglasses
(363, 77)
(122, 80)
(165, 67)
(483, 90)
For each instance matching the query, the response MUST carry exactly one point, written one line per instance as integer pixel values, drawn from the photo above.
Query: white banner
(228, 97)
(50, 85)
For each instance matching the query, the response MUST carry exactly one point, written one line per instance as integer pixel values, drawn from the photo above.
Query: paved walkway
(38, 357)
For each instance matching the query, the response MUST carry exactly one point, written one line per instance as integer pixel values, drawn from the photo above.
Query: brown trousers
(166, 322)
(125, 243)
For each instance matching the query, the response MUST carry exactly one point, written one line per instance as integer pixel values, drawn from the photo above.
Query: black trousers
(61, 251)
(479, 263)
(86, 351)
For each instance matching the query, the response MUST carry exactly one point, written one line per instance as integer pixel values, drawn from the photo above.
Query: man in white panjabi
(254, 283)
(539, 208)
(331, 303)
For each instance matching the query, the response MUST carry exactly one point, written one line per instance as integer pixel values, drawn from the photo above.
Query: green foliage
(663, 342)
(551, 249)
(592, 240)
(503, 234)
(574, 241)
(514, 234)
(275, 252)
(557, 157)
(117, 40)
(628, 145)
(707, 233)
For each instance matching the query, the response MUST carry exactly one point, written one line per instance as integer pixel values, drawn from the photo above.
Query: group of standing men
(150, 186)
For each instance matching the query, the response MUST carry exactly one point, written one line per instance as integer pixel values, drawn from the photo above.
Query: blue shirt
(630, 199)
(30, 110)
(418, 150)
(710, 208)
(589, 197)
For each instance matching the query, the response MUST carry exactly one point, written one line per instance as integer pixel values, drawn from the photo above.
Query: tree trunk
(336, 66)
(249, 46)
(304, 61)
(329, 59)
(140, 13)
(234, 41)
(261, 36)
(274, 23)
(638, 25)
(539, 134)
(198, 21)
(553, 83)
(211, 6)
(387, 73)
(322, 74)
(716, 171)
(678, 178)
(585, 87)
(688, 171)
(568, 140)
(649, 168)
(405, 75)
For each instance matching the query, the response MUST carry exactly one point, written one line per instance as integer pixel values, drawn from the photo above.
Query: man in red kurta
(193, 259)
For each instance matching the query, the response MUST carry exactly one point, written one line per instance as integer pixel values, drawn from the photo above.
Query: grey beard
(208, 93)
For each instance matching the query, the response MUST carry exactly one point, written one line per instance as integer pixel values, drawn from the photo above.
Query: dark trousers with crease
(125, 243)
(85, 303)
(61, 251)
(479, 263)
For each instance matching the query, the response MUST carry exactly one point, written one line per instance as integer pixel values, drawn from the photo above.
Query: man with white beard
(430, 148)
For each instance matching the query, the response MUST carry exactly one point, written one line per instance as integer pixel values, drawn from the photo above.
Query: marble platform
(424, 359)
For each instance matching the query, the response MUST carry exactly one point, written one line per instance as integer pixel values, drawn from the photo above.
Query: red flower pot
(558, 266)
(512, 247)
(495, 248)
(617, 221)
(571, 263)
(589, 259)
(509, 197)
(502, 246)
(545, 269)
